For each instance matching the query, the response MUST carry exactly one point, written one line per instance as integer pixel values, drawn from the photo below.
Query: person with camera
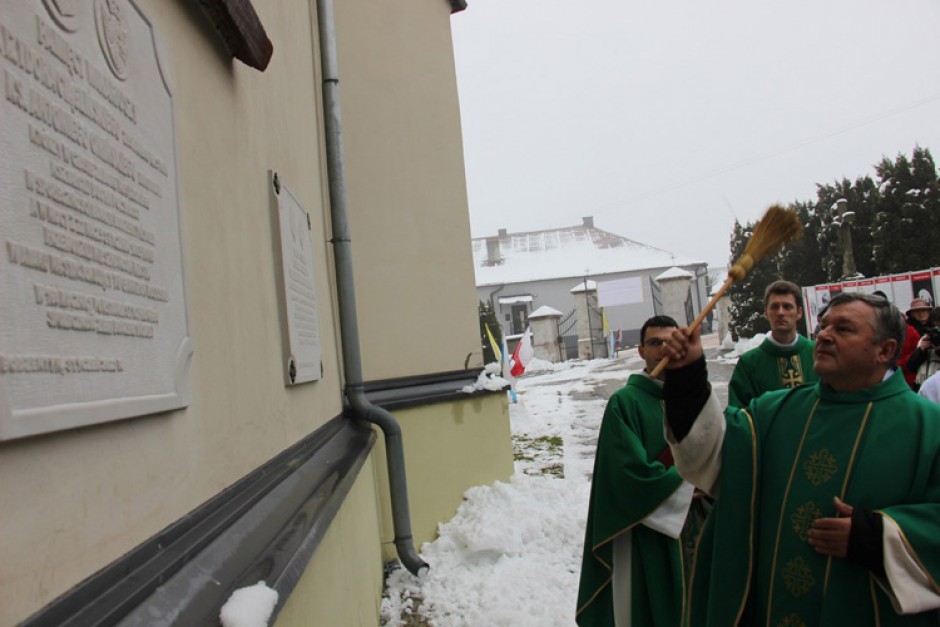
(924, 361)
(917, 323)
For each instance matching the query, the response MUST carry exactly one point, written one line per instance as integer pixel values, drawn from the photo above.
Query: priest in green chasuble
(827, 497)
(632, 573)
(784, 359)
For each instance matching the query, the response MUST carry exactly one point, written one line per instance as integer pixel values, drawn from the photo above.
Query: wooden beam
(241, 30)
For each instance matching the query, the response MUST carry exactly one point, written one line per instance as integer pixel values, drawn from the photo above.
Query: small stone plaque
(93, 317)
(303, 361)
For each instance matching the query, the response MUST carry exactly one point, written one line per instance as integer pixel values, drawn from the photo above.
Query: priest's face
(846, 356)
(782, 312)
(652, 349)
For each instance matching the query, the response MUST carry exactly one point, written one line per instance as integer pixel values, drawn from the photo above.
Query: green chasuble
(769, 367)
(784, 459)
(628, 485)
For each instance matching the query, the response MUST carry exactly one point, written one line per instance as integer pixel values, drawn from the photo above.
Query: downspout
(493, 305)
(362, 408)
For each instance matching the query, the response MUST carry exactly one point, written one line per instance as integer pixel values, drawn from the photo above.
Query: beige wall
(414, 276)
(343, 583)
(74, 501)
(449, 447)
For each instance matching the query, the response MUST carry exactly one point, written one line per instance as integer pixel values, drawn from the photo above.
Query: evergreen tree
(488, 318)
(861, 200)
(896, 222)
(907, 217)
(801, 260)
(747, 296)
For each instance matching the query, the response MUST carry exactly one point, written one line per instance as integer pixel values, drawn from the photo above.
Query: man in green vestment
(827, 497)
(784, 359)
(632, 570)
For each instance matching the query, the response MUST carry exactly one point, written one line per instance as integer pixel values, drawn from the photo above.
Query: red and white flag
(522, 355)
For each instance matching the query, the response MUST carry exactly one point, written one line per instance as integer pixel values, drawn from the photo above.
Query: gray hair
(886, 320)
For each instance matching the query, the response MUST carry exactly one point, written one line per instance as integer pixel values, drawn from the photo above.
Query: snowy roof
(544, 312)
(675, 273)
(584, 285)
(566, 252)
(511, 300)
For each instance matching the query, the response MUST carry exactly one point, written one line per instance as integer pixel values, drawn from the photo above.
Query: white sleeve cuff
(698, 456)
(911, 588)
(669, 518)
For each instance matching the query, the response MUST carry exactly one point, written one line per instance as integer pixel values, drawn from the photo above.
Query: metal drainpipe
(493, 303)
(349, 326)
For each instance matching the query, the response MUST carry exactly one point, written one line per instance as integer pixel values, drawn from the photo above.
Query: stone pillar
(544, 323)
(582, 314)
(674, 290)
(724, 318)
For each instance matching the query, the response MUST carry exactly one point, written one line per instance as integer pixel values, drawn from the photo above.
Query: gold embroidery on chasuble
(803, 518)
(820, 467)
(791, 371)
(793, 620)
(798, 577)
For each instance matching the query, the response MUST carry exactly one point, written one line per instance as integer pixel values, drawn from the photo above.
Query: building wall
(77, 500)
(407, 189)
(556, 293)
(74, 501)
(340, 583)
(449, 447)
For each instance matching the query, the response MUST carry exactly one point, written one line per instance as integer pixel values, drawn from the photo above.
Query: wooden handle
(697, 322)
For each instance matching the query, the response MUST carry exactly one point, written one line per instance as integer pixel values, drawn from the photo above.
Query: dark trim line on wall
(424, 389)
(264, 527)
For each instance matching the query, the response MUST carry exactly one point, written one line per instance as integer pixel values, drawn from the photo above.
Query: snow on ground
(511, 555)
(739, 348)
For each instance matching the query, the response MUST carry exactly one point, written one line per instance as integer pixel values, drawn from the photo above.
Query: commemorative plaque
(302, 352)
(93, 316)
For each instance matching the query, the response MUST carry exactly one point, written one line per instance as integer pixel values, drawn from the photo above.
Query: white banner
(627, 291)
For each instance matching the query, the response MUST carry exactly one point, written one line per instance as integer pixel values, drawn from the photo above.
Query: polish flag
(522, 355)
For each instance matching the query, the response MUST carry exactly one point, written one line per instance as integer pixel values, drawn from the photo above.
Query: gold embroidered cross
(803, 518)
(820, 467)
(791, 371)
(797, 577)
(792, 379)
(793, 620)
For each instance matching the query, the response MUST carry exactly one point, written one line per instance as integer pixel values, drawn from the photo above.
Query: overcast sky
(668, 120)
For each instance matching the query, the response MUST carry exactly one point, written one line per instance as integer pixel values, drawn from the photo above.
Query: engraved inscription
(300, 299)
(57, 365)
(91, 254)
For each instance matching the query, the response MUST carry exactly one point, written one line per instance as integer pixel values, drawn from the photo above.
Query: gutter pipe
(493, 297)
(354, 390)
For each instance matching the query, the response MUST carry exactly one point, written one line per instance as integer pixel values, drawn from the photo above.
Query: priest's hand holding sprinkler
(776, 228)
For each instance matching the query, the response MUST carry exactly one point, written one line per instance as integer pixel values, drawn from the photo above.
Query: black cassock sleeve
(685, 392)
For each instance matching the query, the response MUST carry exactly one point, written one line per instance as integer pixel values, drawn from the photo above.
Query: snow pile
(745, 344)
(249, 607)
(511, 555)
(739, 348)
(489, 379)
(482, 564)
(541, 365)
